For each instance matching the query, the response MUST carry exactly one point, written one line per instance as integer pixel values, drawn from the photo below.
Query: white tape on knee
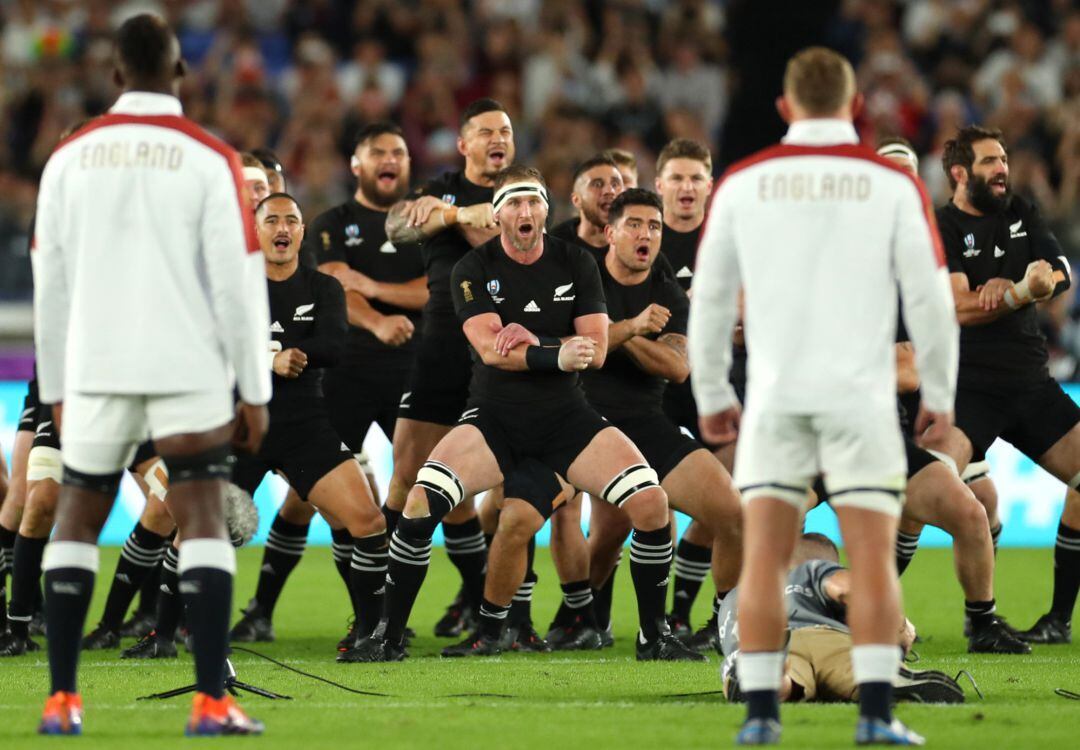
(1074, 482)
(157, 479)
(439, 478)
(975, 470)
(628, 483)
(44, 463)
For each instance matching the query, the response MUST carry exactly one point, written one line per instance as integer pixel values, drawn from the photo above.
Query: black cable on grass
(479, 695)
(693, 695)
(1067, 694)
(965, 673)
(283, 665)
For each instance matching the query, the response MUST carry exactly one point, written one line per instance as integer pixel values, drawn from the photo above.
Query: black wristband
(549, 341)
(542, 358)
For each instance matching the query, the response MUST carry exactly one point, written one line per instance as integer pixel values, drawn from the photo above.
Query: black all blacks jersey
(307, 312)
(680, 249)
(1010, 351)
(544, 297)
(620, 387)
(356, 235)
(446, 248)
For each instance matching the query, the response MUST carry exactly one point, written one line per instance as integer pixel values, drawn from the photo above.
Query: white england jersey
(147, 275)
(821, 234)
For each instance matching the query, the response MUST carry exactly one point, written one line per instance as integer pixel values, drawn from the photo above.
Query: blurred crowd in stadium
(299, 76)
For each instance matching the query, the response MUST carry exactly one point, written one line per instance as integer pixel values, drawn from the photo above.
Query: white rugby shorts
(859, 453)
(101, 431)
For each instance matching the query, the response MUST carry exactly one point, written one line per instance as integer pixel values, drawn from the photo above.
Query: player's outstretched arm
(52, 303)
(417, 219)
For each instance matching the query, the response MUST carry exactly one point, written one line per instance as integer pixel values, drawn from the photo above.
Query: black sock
(69, 585)
(602, 598)
(1066, 571)
(368, 581)
(284, 548)
(409, 560)
(492, 619)
(392, 517)
(150, 590)
(169, 607)
(995, 536)
(466, 549)
(762, 704)
(578, 598)
(521, 606)
(141, 553)
(875, 699)
(906, 544)
(206, 585)
(25, 583)
(342, 546)
(7, 556)
(650, 563)
(692, 565)
(981, 614)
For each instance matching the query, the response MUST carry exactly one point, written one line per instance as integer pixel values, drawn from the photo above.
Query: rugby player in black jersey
(308, 327)
(533, 311)
(449, 216)
(596, 183)
(384, 291)
(1003, 259)
(684, 182)
(645, 350)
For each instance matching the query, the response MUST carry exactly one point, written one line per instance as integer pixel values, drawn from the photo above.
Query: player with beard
(1003, 259)
(448, 216)
(526, 403)
(384, 291)
(597, 181)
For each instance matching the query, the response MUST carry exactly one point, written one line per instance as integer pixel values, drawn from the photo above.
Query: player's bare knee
(648, 509)
(518, 522)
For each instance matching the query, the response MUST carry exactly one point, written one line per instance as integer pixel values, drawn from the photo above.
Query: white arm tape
(1018, 295)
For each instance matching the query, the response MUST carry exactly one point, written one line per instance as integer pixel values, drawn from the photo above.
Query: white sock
(760, 670)
(875, 663)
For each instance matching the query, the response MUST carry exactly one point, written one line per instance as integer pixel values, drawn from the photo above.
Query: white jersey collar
(822, 132)
(146, 103)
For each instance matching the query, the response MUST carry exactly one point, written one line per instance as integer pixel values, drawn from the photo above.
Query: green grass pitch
(596, 700)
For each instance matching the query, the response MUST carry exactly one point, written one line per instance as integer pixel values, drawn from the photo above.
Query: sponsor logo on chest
(563, 293)
(1017, 230)
(970, 251)
(493, 287)
(303, 312)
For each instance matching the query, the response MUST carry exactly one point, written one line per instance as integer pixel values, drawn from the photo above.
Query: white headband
(899, 149)
(515, 190)
(254, 173)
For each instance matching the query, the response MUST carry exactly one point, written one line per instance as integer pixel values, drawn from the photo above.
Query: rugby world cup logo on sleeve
(493, 287)
(970, 251)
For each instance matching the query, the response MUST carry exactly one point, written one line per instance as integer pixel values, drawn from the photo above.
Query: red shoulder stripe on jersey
(850, 151)
(193, 131)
